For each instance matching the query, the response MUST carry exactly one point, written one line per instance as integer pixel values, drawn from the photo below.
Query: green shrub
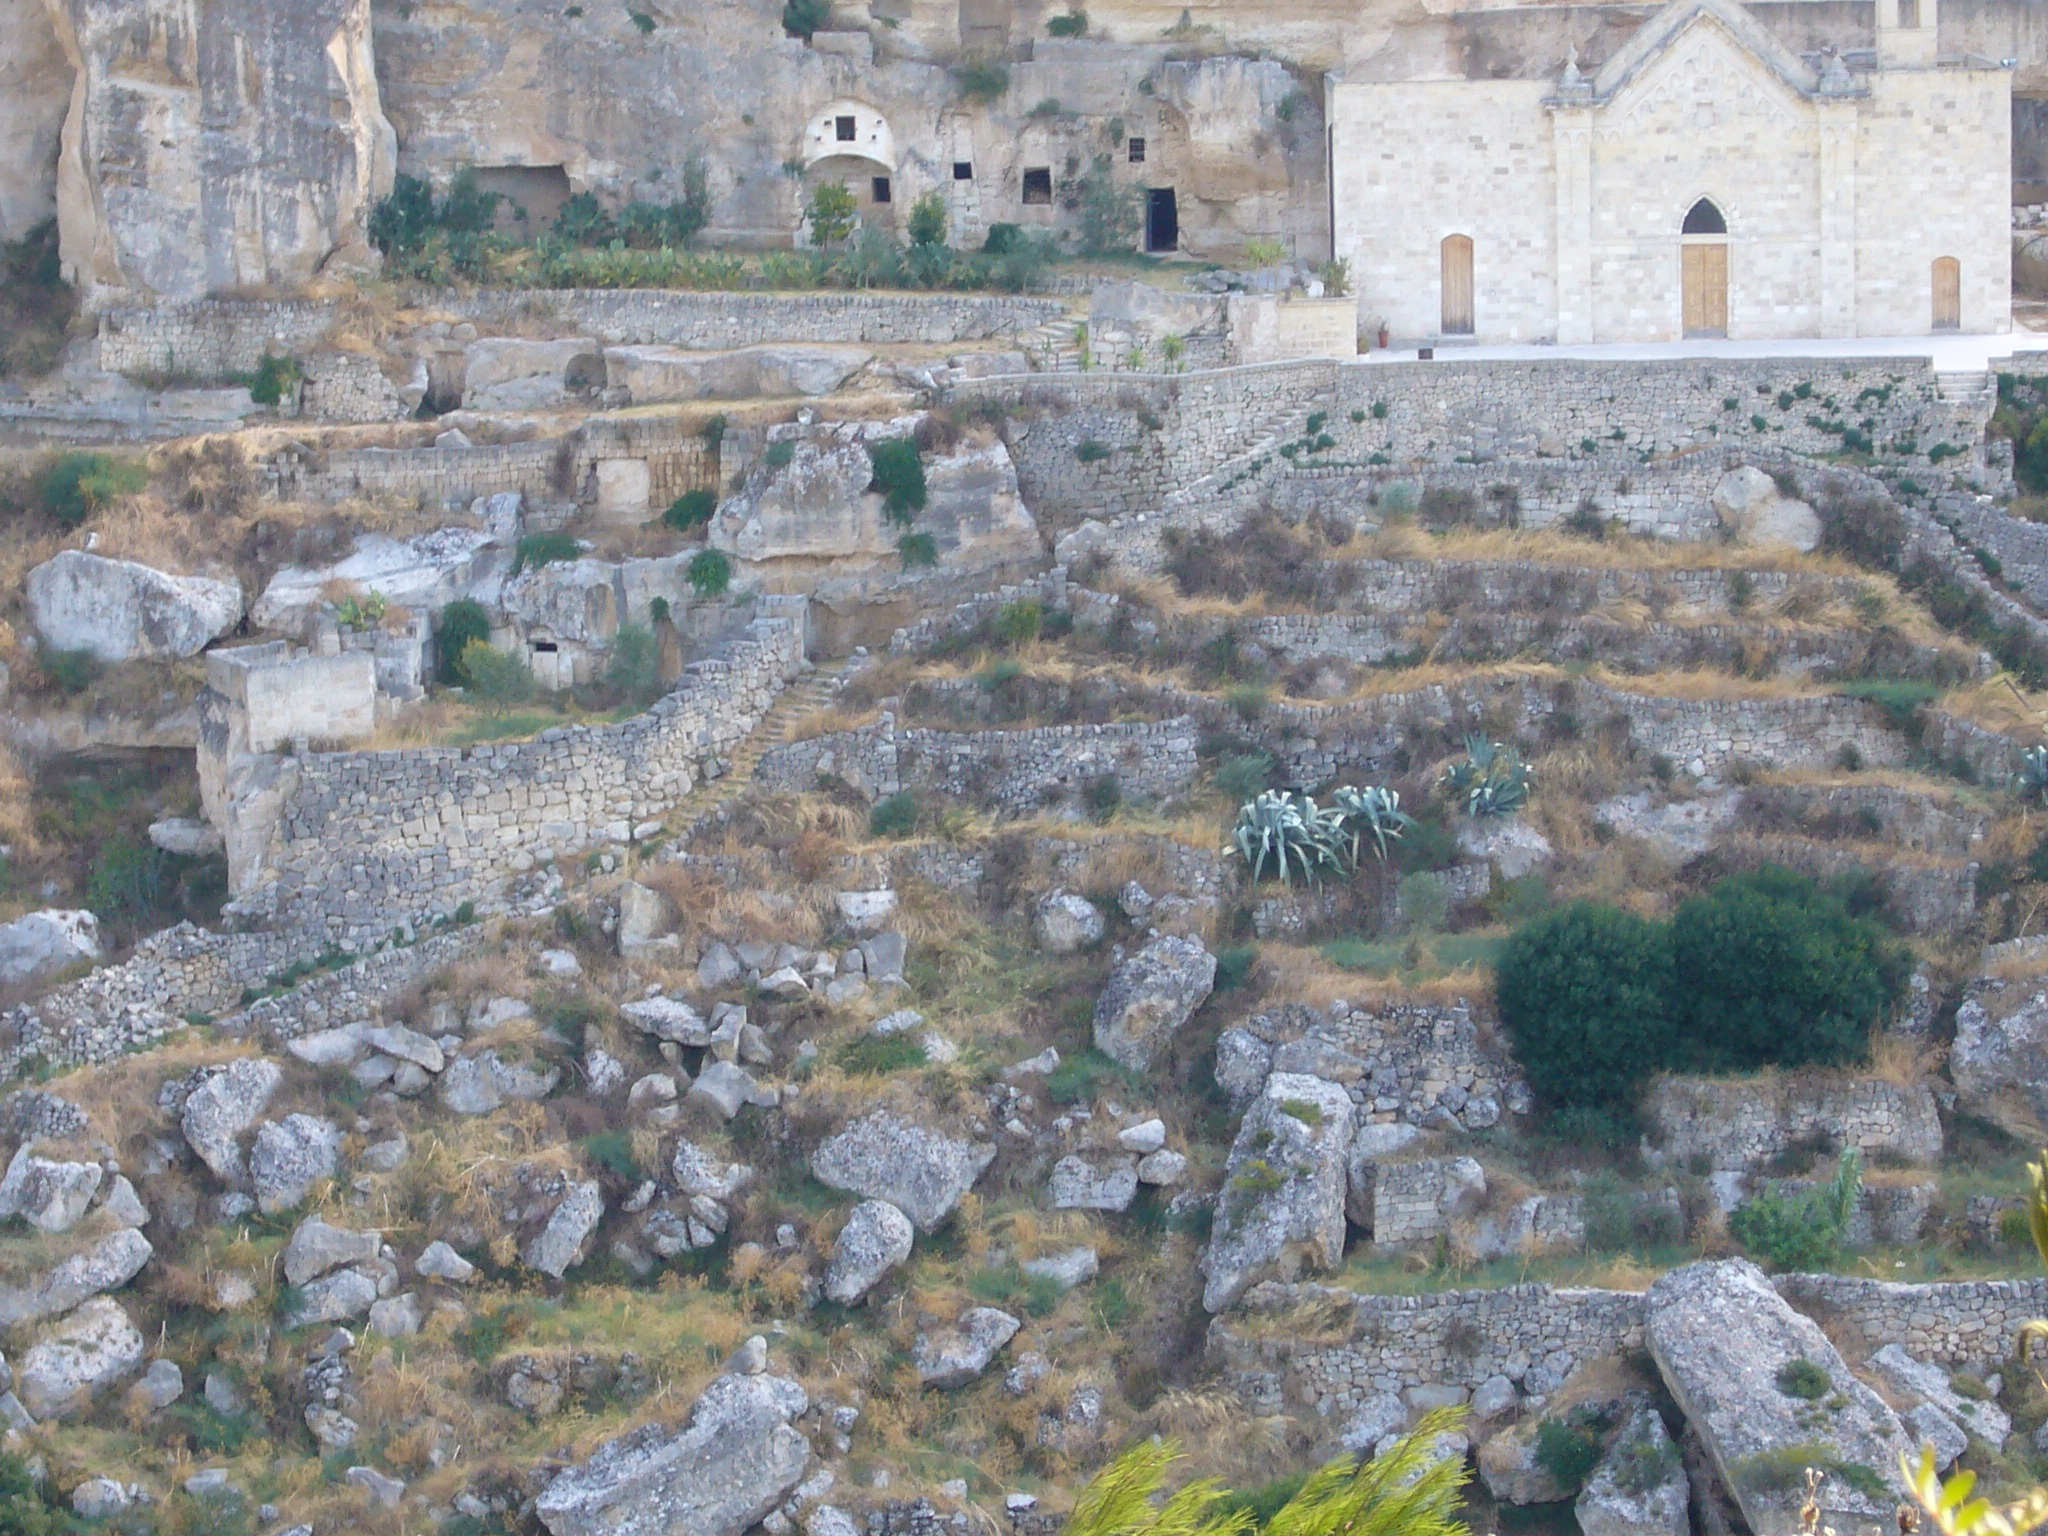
(498, 679)
(1018, 623)
(1234, 965)
(927, 222)
(539, 549)
(1103, 795)
(1804, 1380)
(462, 621)
(1092, 451)
(830, 214)
(634, 672)
(893, 816)
(1243, 775)
(24, 1508)
(1569, 1449)
(981, 79)
(780, 455)
(1584, 993)
(1800, 1231)
(77, 485)
(691, 509)
(800, 18)
(125, 880)
(879, 1055)
(72, 671)
(899, 477)
(273, 376)
(612, 1150)
(1770, 969)
(1073, 24)
(917, 551)
(709, 573)
(36, 304)
(1109, 216)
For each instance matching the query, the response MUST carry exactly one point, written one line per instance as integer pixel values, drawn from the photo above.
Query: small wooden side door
(1704, 281)
(1457, 285)
(1948, 294)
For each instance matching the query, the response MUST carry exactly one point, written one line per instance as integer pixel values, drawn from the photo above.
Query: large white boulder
(78, 1359)
(43, 943)
(512, 373)
(1755, 511)
(1768, 1393)
(655, 373)
(121, 610)
(923, 1173)
(735, 1459)
(1640, 1487)
(422, 574)
(1283, 1190)
(1149, 997)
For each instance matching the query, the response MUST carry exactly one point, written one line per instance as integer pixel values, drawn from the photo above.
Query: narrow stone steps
(811, 692)
(1966, 388)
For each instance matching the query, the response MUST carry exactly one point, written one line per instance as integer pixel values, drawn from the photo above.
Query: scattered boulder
(1379, 1416)
(44, 943)
(1755, 511)
(1722, 1338)
(1640, 1487)
(561, 1244)
(922, 1173)
(1930, 1387)
(78, 1359)
(437, 1261)
(185, 837)
(220, 1109)
(645, 920)
(954, 1355)
(1149, 997)
(479, 1083)
(1110, 1184)
(107, 1265)
(333, 1298)
(1067, 1269)
(1509, 1467)
(1067, 923)
(1243, 1062)
(736, 1459)
(291, 1156)
(120, 610)
(727, 1088)
(50, 1195)
(876, 1238)
(1284, 1187)
(1507, 843)
(1162, 1167)
(315, 1248)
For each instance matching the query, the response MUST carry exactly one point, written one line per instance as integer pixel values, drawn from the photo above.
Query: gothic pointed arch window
(1704, 218)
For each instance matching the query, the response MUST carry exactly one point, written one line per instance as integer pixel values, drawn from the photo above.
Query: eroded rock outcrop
(119, 610)
(1284, 1189)
(224, 144)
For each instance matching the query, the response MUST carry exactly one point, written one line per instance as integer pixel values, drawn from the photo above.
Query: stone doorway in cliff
(1162, 220)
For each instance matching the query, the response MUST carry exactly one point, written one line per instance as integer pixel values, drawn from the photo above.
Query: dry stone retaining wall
(370, 842)
(185, 972)
(211, 338)
(1362, 1346)
(1738, 1127)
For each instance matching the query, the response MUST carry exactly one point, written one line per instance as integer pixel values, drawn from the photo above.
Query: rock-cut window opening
(1703, 218)
(843, 129)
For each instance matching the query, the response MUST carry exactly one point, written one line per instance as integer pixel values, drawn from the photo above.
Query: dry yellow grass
(2000, 704)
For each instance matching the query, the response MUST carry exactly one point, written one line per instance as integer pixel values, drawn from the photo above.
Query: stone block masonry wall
(1446, 414)
(1738, 1127)
(1012, 773)
(1315, 744)
(208, 338)
(214, 337)
(187, 971)
(716, 321)
(2019, 546)
(373, 841)
(433, 477)
(1362, 1346)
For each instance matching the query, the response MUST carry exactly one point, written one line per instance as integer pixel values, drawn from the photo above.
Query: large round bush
(1584, 993)
(1770, 969)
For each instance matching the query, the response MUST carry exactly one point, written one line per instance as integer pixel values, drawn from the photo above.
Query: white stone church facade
(1705, 180)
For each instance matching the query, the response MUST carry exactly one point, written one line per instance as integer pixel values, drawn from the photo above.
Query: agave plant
(1286, 834)
(1372, 812)
(2031, 781)
(1491, 781)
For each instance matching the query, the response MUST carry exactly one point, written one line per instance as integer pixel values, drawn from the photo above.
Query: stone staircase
(1269, 430)
(1979, 390)
(809, 693)
(1054, 346)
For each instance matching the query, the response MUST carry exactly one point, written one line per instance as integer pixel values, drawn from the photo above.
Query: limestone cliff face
(35, 88)
(214, 145)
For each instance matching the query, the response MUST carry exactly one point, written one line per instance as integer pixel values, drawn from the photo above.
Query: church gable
(1681, 27)
(1701, 84)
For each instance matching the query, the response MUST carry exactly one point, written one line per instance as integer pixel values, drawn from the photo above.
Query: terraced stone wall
(369, 842)
(1320, 1351)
